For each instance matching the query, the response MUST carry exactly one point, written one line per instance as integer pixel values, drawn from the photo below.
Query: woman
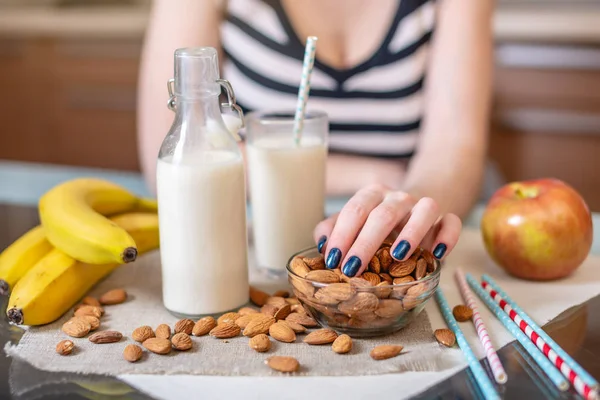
(406, 84)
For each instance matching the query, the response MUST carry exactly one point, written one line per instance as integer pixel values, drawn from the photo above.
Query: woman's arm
(172, 25)
(451, 155)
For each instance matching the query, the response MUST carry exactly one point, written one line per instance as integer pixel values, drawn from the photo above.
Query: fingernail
(321, 243)
(439, 251)
(333, 259)
(352, 266)
(401, 250)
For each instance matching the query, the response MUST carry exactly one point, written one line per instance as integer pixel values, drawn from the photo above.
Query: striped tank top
(374, 108)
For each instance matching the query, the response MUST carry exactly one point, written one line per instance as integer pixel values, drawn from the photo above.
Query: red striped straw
(495, 364)
(581, 387)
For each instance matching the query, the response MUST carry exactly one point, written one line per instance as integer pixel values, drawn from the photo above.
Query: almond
(89, 310)
(91, 301)
(103, 337)
(445, 337)
(283, 364)
(402, 268)
(302, 319)
(260, 343)
(416, 290)
(385, 351)
(282, 293)
(297, 328)
(115, 296)
(65, 347)
(227, 317)
(181, 341)
(94, 322)
(410, 302)
(431, 263)
(385, 259)
(421, 269)
(321, 336)
(258, 325)
(225, 331)
(244, 320)
(383, 290)
(298, 267)
(276, 301)
(362, 302)
(203, 326)
(247, 310)
(132, 352)
(283, 312)
(76, 327)
(142, 333)
(399, 291)
(269, 309)
(375, 265)
(298, 308)
(360, 283)
(323, 276)
(315, 263)
(303, 288)
(462, 313)
(386, 277)
(258, 297)
(163, 331)
(372, 278)
(184, 325)
(282, 332)
(323, 298)
(337, 291)
(342, 344)
(158, 345)
(389, 308)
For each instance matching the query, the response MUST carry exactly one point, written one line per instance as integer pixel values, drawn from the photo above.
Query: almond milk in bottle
(201, 195)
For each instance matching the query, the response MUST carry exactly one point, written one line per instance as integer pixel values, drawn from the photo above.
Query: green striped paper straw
(583, 374)
(485, 384)
(544, 364)
(304, 89)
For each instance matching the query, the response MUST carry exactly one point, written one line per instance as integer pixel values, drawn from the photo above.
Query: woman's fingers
(447, 237)
(349, 223)
(323, 231)
(382, 220)
(423, 216)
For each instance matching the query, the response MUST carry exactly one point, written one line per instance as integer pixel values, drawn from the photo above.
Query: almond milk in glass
(201, 195)
(287, 184)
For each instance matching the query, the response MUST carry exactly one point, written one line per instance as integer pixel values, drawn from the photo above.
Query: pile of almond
(371, 301)
(86, 319)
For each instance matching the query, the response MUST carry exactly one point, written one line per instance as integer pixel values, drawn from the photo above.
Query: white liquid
(287, 187)
(203, 242)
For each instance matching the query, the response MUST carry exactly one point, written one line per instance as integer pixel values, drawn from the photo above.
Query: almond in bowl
(388, 296)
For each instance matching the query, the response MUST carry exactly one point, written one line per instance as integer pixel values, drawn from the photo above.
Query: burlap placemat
(209, 356)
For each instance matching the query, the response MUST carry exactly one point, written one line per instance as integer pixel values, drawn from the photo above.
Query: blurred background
(68, 74)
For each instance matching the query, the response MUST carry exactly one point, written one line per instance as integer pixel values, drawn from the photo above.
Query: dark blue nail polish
(321, 243)
(333, 259)
(439, 251)
(401, 250)
(352, 266)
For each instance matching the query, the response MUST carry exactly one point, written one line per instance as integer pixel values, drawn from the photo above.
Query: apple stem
(526, 193)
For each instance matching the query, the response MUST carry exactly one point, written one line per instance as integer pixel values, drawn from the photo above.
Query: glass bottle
(201, 194)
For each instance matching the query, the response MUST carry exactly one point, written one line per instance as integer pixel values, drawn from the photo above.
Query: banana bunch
(89, 227)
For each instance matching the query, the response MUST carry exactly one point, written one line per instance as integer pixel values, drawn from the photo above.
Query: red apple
(538, 229)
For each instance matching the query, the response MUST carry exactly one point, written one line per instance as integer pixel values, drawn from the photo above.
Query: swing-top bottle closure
(197, 76)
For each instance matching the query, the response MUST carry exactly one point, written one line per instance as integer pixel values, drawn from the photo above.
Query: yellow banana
(58, 281)
(21, 256)
(73, 216)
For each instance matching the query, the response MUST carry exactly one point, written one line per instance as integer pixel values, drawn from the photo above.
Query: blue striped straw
(484, 382)
(304, 89)
(544, 364)
(583, 374)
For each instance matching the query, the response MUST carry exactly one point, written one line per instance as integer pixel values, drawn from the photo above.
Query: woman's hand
(350, 238)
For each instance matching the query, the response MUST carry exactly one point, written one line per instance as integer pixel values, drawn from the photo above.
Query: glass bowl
(356, 307)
